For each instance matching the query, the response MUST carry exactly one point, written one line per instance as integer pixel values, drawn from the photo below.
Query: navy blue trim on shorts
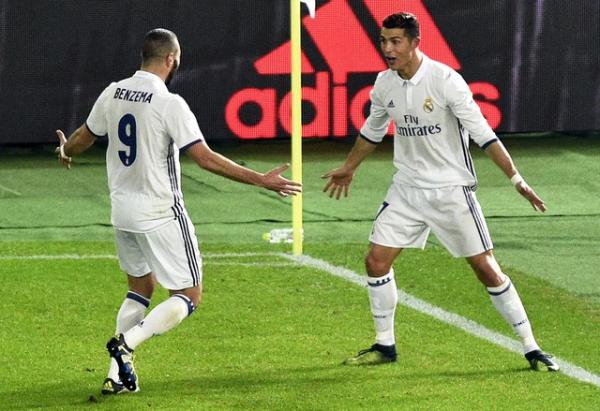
(503, 291)
(138, 298)
(489, 143)
(384, 205)
(189, 250)
(184, 148)
(368, 139)
(483, 235)
(181, 217)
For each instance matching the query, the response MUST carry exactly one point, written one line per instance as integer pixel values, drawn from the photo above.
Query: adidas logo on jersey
(391, 104)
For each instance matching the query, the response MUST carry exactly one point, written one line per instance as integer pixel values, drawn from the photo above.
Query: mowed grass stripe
(469, 326)
(113, 257)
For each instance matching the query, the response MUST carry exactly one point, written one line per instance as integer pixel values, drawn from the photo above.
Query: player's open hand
(273, 180)
(339, 181)
(536, 202)
(62, 158)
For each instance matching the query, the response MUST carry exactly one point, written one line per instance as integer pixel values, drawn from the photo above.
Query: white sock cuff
(502, 288)
(379, 281)
(190, 305)
(132, 295)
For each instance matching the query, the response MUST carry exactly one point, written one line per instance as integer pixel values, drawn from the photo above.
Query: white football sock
(161, 319)
(506, 300)
(383, 296)
(131, 313)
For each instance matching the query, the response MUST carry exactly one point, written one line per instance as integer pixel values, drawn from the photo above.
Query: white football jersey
(434, 114)
(146, 126)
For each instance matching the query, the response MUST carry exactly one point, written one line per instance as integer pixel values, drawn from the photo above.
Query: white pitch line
(60, 257)
(471, 327)
(114, 257)
(10, 190)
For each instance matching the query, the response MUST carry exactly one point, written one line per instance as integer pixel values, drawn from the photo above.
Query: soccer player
(433, 189)
(147, 127)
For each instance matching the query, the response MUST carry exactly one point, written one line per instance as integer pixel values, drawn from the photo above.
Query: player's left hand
(536, 202)
(273, 180)
(62, 158)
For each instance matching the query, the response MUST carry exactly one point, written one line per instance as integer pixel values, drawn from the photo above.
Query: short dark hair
(402, 20)
(158, 43)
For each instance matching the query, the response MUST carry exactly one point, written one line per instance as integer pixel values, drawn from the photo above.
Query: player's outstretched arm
(78, 142)
(339, 179)
(498, 153)
(221, 165)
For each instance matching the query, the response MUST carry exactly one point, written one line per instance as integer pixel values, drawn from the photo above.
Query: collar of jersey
(420, 72)
(152, 77)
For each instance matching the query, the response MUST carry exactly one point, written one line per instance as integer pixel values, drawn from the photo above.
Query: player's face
(398, 49)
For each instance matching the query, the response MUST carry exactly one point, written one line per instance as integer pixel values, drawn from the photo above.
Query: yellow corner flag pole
(296, 80)
(296, 124)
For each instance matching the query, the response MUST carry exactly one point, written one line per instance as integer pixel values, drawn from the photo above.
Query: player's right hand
(339, 181)
(62, 158)
(273, 180)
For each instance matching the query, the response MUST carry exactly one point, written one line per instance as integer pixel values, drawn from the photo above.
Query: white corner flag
(311, 7)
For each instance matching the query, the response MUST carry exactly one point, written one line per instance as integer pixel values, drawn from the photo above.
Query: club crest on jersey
(428, 105)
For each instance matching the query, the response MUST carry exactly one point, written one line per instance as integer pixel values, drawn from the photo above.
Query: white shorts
(453, 213)
(171, 253)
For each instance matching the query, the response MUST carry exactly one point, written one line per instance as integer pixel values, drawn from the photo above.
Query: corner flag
(311, 7)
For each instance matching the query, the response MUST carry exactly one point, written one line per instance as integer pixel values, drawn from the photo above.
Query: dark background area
(57, 56)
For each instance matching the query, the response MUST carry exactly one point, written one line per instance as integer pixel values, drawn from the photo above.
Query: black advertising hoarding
(532, 65)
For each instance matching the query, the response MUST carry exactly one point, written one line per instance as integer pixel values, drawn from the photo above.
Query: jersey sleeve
(460, 100)
(376, 125)
(181, 124)
(97, 121)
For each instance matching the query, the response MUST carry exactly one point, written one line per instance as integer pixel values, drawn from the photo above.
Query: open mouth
(390, 60)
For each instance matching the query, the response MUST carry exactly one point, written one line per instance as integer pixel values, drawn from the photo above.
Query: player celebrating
(147, 126)
(433, 189)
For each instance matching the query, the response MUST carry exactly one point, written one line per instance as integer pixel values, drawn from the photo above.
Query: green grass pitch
(271, 334)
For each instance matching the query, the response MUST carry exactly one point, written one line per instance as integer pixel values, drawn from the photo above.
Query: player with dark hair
(147, 127)
(434, 187)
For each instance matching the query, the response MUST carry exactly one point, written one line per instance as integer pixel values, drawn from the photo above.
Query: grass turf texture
(273, 337)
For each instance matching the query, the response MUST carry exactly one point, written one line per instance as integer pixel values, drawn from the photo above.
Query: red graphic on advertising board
(346, 49)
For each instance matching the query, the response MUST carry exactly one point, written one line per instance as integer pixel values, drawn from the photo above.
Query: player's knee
(376, 267)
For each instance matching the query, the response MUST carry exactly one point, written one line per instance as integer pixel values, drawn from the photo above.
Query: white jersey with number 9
(146, 126)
